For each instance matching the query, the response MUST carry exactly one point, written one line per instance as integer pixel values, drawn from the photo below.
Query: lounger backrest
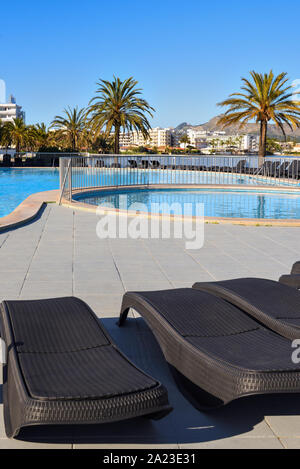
(275, 305)
(223, 319)
(42, 326)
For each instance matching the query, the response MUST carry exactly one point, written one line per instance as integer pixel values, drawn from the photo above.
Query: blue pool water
(97, 177)
(217, 203)
(17, 184)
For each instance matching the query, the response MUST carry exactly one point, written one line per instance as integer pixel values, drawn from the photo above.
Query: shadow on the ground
(36, 217)
(185, 424)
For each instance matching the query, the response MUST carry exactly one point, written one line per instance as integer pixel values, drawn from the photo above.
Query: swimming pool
(232, 203)
(17, 184)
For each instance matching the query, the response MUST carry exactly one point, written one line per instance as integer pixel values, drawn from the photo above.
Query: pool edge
(27, 210)
(208, 220)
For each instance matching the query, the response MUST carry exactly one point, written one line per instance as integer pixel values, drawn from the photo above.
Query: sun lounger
(296, 268)
(273, 304)
(63, 368)
(293, 279)
(216, 352)
(132, 163)
(293, 170)
(282, 169)
(239, 168)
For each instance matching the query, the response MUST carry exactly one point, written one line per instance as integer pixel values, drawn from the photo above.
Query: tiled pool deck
(59, 254)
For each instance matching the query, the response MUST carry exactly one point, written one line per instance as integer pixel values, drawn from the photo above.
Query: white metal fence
(78, 173)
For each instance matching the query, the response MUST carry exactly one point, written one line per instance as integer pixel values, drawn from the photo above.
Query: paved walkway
(60, 254)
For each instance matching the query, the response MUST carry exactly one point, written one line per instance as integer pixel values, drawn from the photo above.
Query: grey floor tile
(285, 426)
(290, 443)
(237, 443)
(19, 444)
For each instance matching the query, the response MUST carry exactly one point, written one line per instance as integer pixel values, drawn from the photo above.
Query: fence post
(70, 180)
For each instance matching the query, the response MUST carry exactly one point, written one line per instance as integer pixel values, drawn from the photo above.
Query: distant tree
(101, 143)
(39, 136)
(184, 139)
(70, 127)
(5, 136)
(273, 146)
(265, 98)
(17, 133)
(118, 106)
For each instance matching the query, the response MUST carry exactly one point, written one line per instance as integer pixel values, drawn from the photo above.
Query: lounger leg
(123, 316)
(126, 305)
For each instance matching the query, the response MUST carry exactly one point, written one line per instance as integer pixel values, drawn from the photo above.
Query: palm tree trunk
(262, 142)
(117, 141)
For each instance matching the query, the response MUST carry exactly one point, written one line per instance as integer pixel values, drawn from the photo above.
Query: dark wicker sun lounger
(296, 268)
(63, 368)
(293, 279)
(216, 352)
(274, 304)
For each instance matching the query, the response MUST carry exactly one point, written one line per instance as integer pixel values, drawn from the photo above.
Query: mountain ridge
(251, 128)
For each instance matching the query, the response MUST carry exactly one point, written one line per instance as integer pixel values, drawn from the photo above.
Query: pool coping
(215, 220)
(28, 209)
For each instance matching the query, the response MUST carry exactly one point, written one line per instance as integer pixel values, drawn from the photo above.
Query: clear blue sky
(186, 55)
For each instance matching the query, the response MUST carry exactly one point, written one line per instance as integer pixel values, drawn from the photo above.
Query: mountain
(212, 125)
(183, 126)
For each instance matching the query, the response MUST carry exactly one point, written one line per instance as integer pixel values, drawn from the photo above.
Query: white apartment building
(158, 137)
(250, 143)
(11, 110)
(200, 139)
(197, 138)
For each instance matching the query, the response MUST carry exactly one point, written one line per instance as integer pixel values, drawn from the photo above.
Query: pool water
(17, 184)
(123, 177)
(217, 202)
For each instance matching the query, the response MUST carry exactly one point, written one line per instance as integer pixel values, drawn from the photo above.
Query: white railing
(79, 173)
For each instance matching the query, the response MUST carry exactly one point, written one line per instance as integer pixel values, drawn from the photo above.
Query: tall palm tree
(118, 106)
(17, 133)
(266, 98)
(70, 126)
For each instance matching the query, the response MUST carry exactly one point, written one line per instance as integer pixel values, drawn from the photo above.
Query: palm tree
(265, 98)
(118, 106)
(17, 133)
(2, 131)
(185, 140)
(70, 127)
(41, 135)
(102, 144)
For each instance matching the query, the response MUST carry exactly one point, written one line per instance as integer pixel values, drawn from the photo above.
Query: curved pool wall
(261, 204)
(17, 184)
